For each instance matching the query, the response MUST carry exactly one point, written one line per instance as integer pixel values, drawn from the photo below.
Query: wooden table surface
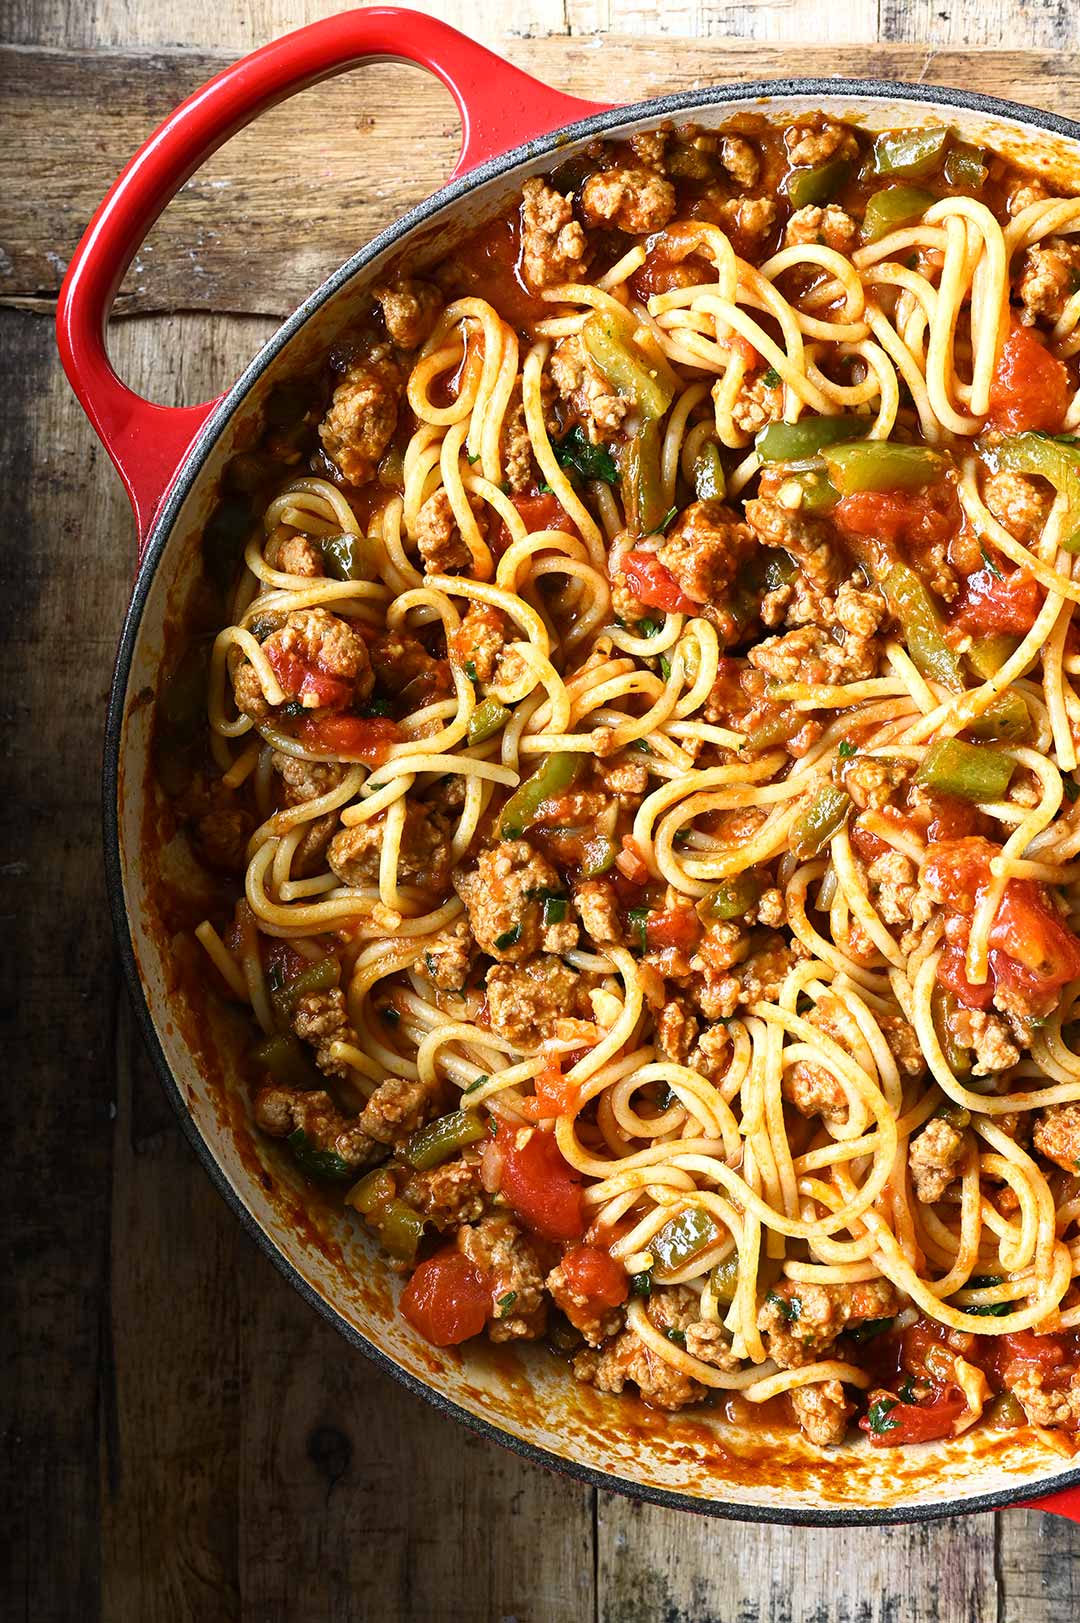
(183, 1438)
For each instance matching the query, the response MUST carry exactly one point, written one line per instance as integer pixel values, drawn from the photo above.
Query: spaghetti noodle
(645, 718)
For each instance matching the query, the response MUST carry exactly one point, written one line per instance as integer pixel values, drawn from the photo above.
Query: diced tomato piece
(630, 862)
(553, 1095)
(540, 510)
(594, 1274)
(1030, 387)
(1028, 931)
(447, 1299)
(540, 1186)
(282, 957)
(950, 817)
(654, 585)
(916, 1422)
(675, 927)
(306, 681)
(994, 603)
(959, 869)
(915, 518)
(950, 974)
(917, 1340)
(350, 738)
(1023, 1350)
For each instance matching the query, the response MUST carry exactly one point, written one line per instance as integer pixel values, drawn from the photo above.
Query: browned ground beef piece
(498, 1248)
(1050, 277)
(892, 886)
(935, 1159)
(747, 220)
(1057, 1135)
(740, 158)
(751, 979)
(810, 540)
(448, 956)
(704, 550)
(525, 1000)
(828, 225)
(627, 1358)
(598, 907)
(1019, 504)
(397, 1108)
(757, 403)
(422, 859)
(553, 245)
(676, 1031)
(294, 554)
(302, 781)
(410, 310)
(442, 546)
(816, 139)
(596, 1325)
(320, 1018)
(634, 200)
(506, 908)
(989, 1038)
(449, 1195)
(822, 1411)
(810, 654)
(872, 780)
(1054, 1406)
(585, 391)
(362, 416)
(319, 641)
(479, 641)
(802, 1321)
(281, 1111)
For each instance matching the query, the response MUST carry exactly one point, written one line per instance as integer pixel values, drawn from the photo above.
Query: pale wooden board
(185, 1440)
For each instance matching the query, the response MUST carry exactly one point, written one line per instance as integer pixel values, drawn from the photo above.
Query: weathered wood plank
(660, 1564)
(273, 213)
(1039, 1567)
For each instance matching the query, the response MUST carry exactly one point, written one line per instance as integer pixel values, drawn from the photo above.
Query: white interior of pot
(531, 1395)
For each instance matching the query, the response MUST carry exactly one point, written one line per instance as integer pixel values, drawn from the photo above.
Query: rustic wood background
(183, 1438)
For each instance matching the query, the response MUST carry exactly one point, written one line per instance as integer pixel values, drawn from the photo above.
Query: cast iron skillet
(171, 461)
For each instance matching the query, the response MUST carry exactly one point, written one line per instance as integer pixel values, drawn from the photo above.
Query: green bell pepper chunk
(910, 152)
(645, 503)
(816, 492)
(968, 771)
(1006, 721)
(965, 167)
(284, 995)
(818, 185)
(682, 1238)
(798, 442)
(324, 1165)
(879, 465)
(625, 367)
(348, 557)
(430, 1146)
(599, 856)
(888, 210)
(823, 817)
(731, 899)
(555, 773)
(287, 1063)
(944, 1005)
(777, 730)
(488, 718)
(988, 654)
(375, 1189)
(725, 1278)
(709, 481)
(923, 629)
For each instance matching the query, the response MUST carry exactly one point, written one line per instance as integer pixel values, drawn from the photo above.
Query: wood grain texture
(278, 208)
(184, 1440)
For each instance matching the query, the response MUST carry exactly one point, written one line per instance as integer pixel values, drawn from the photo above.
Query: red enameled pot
(171, 462)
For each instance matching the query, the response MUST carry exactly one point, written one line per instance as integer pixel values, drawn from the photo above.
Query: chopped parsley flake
(879, 1415)
(505, 1303)
(641, 1284)
(677, 1336)
(847, 749)
(509, 938)
(478, 1083)
(772, 379)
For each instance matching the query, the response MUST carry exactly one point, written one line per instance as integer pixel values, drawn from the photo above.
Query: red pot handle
(499, 106)
(1066, 1503)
